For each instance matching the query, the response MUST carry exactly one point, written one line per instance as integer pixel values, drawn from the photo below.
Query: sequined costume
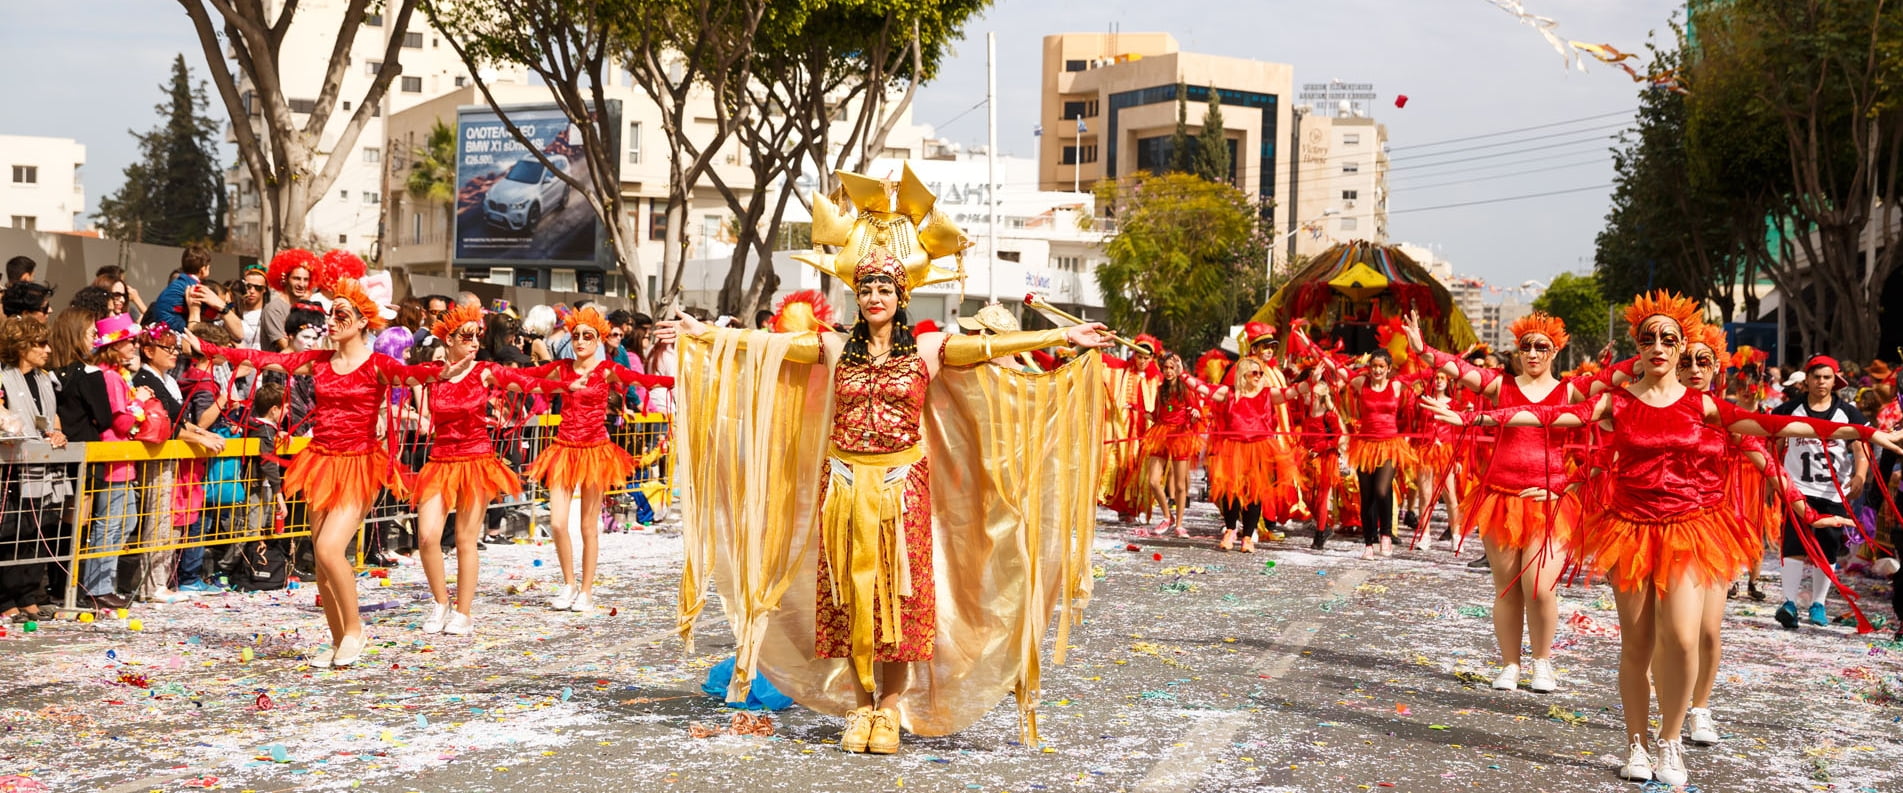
(346, 463)
(581, 454)
(878, 411)
(463, 466)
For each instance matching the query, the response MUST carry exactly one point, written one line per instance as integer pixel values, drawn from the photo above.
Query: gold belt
(864, 525)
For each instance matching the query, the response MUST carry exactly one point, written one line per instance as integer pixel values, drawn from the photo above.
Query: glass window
(26, 174)
(1076, 66)
(412, 85)
(1350, 195)
(1351, 139)
(413, 40)
(371, 154)
(370, 68)
(1349, 167)
(633, 144)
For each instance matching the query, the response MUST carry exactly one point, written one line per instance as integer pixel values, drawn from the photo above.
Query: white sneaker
(1702, 732)
(322, 661)
(584, 604)
(1508, 679)
(1671, 768)
(1638, 764)
(563, 599)
(459, 624)
(348, 651)
(1543, 680)
(437, 613)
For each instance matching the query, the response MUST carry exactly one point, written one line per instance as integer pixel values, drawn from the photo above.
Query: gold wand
(1032, 300)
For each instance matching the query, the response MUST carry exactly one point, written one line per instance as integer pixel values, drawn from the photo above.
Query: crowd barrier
(155, 500)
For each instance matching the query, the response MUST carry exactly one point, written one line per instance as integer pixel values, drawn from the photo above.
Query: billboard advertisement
(510, 207)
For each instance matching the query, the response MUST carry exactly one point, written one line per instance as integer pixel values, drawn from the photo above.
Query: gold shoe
(885, 732)
(1228, 540)
(858, 727)
(1248, 544)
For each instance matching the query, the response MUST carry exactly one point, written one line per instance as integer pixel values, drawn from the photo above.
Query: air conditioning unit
(1348, 204)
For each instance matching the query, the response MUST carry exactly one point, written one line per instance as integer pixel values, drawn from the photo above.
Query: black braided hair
(859, 341)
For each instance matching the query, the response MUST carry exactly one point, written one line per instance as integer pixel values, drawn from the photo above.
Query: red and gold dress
(1321, 463)
(463, 466)
(1175, 435)
(1248, 464)
(1377, 439)
(346, 463)
(876, 599)
(582, 454)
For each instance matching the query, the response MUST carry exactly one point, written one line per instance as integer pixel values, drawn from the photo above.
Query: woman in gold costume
(958, 588)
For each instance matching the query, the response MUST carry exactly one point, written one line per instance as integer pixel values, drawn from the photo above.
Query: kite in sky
(1571, 50)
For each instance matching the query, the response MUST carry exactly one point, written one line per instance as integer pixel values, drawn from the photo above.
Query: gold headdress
(884, 229)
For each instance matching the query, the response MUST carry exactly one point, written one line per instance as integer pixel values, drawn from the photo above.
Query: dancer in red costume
(1321, 430)
(1376, 449)
(1250, 475)
(1172, 444)
(583, 461)
(1438, 472)
(1665, 537)
(346, 464)
(1524, 505)
(1132, 385)
(462, 473)
(1759, 514)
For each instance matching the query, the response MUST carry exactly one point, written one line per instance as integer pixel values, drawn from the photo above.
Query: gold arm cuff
(968, 350)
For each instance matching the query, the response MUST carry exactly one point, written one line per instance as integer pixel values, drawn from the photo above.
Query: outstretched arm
(626, 376)
(962, 350)
(286, 362)
(803, 347)
(1466, 375)
(1744, 422)
(1556, 416)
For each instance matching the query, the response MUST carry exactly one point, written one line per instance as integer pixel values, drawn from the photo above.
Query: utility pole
(991, 157)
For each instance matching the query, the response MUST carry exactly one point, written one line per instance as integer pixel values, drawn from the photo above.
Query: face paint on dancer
(345, 323)
(462, 343)
(1697, 366)
(587, 340)
(1536, 354)
(1660, 343)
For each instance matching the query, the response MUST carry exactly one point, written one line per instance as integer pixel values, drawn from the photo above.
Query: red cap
(1821, 360)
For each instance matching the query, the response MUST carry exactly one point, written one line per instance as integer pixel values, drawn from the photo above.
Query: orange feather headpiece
(1542, 323)
(588, 316)
(1680, 309)
(453, 319)
(1711, 336)
(348, 290)
(802, 311)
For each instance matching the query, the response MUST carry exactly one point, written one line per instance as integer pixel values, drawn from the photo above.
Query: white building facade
(43, 190)
(1342, 188)
(347, 215)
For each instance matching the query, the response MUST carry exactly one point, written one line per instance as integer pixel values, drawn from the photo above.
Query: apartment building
(43, 191)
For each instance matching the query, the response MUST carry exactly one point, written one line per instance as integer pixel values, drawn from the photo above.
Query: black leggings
(1233, 511)
(1377, 503)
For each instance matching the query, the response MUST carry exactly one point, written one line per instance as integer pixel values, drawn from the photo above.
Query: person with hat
(845, 634)
(346, 466)
(1831, 475)
(117, 417)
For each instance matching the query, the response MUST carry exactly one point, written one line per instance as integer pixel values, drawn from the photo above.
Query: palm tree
(432, 179)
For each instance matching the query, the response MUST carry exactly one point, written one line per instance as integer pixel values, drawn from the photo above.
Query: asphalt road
(1205, 671)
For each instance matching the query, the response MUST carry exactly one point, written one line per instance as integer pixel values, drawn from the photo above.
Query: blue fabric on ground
(762, 696)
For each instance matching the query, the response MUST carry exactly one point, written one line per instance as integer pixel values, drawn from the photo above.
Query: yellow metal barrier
(155, 500)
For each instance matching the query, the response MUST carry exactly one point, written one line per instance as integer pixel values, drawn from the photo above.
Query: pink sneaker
(1180, 531)
(1162, 528)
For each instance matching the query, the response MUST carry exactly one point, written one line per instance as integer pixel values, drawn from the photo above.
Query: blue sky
(91, 70)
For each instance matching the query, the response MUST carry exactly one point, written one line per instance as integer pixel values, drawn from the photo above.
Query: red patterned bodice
(879, 407)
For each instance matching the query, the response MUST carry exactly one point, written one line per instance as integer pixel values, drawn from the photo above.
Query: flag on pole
(1037, 130)
(1080, 126)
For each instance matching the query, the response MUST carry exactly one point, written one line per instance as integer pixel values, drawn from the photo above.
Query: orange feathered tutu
(1510, 521)
(1175, 443)
(1254, 472)
(1705, 543)
(1438, 458)
(1366, 454)
(576, 465)
(329, 479)
(474, 478)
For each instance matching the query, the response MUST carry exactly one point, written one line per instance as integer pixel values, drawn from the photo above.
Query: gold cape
(1015, 459)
